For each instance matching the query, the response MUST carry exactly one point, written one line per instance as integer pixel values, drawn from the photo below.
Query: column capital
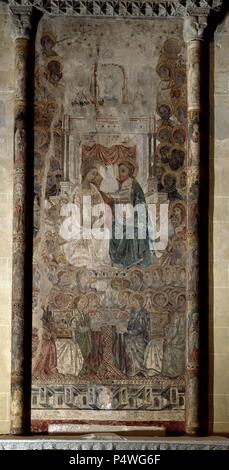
(194, 28)
(22, 21)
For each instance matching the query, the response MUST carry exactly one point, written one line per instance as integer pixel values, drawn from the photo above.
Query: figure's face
(125, 298)
(181, 301)
(155, 276)
(178, 214)
(136, 304)
(124, 172)
(160, 299)
(47, 43)
(148, 278)
(183, 180)
(84, 280)
(82, 304)
(93, 301)
(136, 280)
(159, 171)
(169, 182)
(49, 181)
(92, 175)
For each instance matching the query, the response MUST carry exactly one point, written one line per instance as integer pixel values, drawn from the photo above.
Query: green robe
(129, 252)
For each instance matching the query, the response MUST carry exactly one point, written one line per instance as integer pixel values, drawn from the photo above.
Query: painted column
(21, 35)
(193, 35)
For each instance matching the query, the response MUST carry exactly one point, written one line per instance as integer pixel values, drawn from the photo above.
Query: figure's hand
(107, 199)
(83, 329)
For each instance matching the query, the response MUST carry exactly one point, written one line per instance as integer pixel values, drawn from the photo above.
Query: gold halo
(167, 128)
(136, 295)
(179, 204)
(57, 61)
(166, 105)
(176, 43)
(164, 144)
(179, 295)
(172, 173)
(165, 64)
(166, 298)
(50, 35)
(181, 131)
(130, 161)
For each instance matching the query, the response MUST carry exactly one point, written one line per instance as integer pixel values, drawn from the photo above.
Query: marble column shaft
(193, 35)
(22, 54)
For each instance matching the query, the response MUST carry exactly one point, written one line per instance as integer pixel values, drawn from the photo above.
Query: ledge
(114, 443)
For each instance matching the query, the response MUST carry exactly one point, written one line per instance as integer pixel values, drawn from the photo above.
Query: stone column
(193, 35)
(21, 35)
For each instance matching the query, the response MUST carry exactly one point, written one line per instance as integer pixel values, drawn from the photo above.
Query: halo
(136, 295)
(50, 35)
(172, 47)
(57, 61)
(169, 111)
(180, 204)
(180, 132)
(167, 68)
(179, 176)
(174, 291)
(94, 295)
(168, 147)
(170, 173)
(164, 129)
(166, 298)
(179, 76)
(129, 161)
(181, 107)
(180, 295)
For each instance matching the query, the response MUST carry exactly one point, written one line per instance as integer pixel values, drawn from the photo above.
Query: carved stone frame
(195, 14)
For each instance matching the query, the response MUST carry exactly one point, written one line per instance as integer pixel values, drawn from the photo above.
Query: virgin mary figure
(89, 251)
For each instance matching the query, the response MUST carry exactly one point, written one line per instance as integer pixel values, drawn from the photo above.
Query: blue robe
(129, 252)
(136, 340)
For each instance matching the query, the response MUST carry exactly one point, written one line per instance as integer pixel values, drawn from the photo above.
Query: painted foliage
(109, 315)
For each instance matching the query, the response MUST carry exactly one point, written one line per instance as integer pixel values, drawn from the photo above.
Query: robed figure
(129, 243)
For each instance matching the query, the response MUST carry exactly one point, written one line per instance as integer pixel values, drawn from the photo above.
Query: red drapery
(108, 155)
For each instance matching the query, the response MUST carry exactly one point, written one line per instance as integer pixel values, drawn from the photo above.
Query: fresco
(109, 314)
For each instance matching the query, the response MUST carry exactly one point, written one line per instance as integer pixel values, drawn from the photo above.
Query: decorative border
(122, 9)
(157, 444)
(82, 397)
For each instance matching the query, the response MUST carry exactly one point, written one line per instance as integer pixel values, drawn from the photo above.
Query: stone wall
(219, 205)
(6, 191)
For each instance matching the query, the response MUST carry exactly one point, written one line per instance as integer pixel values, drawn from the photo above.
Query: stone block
(4, 411)
(221, 306)
(221, 83)
(221, 408)
(221, 374)
(5, 427)
(221, 428)
(4, 275)
(220, 274)
(221, 340)
(220, 240)
(221, 170)
(221, 209)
